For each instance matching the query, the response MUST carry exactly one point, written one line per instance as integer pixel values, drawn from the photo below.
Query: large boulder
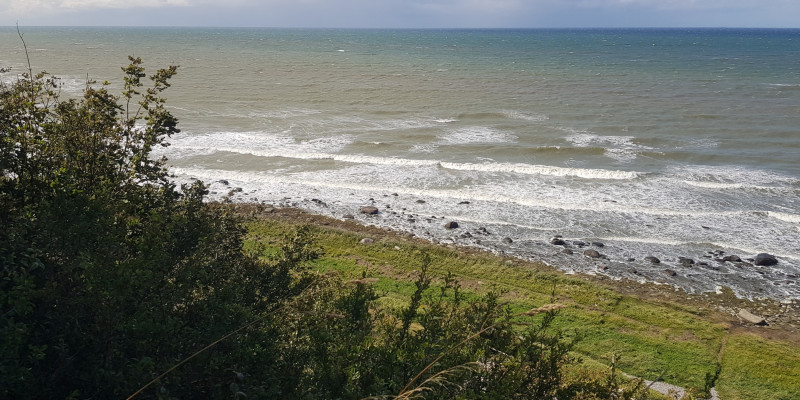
(747, 316)
(686, 262)
(732, 258)
(370, 210)
(592, 253)
(451, 225)
(765, 259)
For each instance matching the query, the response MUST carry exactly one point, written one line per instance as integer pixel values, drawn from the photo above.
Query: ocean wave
(787, 217)
(620, 148)
(284, 114)
(491, 197)
(715, 185)
(482, 115)
(424, 148)
(525, 169)
(477, 134)
(528, 169)
(785, 85)
(731, 177)
(526, 117)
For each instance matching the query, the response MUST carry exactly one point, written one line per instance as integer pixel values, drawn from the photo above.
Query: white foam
(529, 169)
(792, 218)
(785, 85)
(285, 113)
(353, 180)
(306, 151)
(477, 134)
(262, 144)
(715, 185)
(424, 148)
(620, 148)
(732, 177)
(526, 117)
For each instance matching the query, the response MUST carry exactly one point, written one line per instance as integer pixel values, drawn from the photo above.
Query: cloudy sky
(405, 13)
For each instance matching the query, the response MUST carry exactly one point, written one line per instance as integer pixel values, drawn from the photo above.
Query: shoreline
(782, 318)
(694, 265)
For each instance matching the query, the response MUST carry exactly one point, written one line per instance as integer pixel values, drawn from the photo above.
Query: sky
(404, 13)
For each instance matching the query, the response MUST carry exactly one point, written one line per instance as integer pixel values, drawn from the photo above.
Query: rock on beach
(764, 259)
(591, 253)
(370, 210)
(751, 318)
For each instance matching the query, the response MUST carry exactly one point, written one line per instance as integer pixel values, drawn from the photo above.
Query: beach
(659, 144)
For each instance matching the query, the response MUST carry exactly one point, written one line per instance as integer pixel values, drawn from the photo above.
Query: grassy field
(650, 332)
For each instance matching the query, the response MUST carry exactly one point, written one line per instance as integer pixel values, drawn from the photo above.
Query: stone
(686, 262)
(670, 272)
(451, 225)
(224, 182)
(579, 243)
(420, 201)
(464, 202)
(348, 216)
(732, 258)
(591, 253)
(751, 318)
(367, 241)
(764, 259)
(653, 259)
(508, 240)
(598, 244)
(567, 252)
(320, 202)
(558, 242)
(370, 210)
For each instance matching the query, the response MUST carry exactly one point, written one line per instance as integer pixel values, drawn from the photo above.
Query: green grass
(649, 338)
(756, 368)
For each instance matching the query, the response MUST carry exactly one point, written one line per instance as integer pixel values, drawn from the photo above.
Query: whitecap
(792, 218)
(424, 148)
(477, 134)
(527, 117)
(620, 148)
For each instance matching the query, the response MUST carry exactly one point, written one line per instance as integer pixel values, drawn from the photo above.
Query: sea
(668, 144)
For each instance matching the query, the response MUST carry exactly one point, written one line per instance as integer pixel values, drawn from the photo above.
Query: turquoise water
(661, 143)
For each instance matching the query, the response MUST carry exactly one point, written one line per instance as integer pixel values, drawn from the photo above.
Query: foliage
(112, 275)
